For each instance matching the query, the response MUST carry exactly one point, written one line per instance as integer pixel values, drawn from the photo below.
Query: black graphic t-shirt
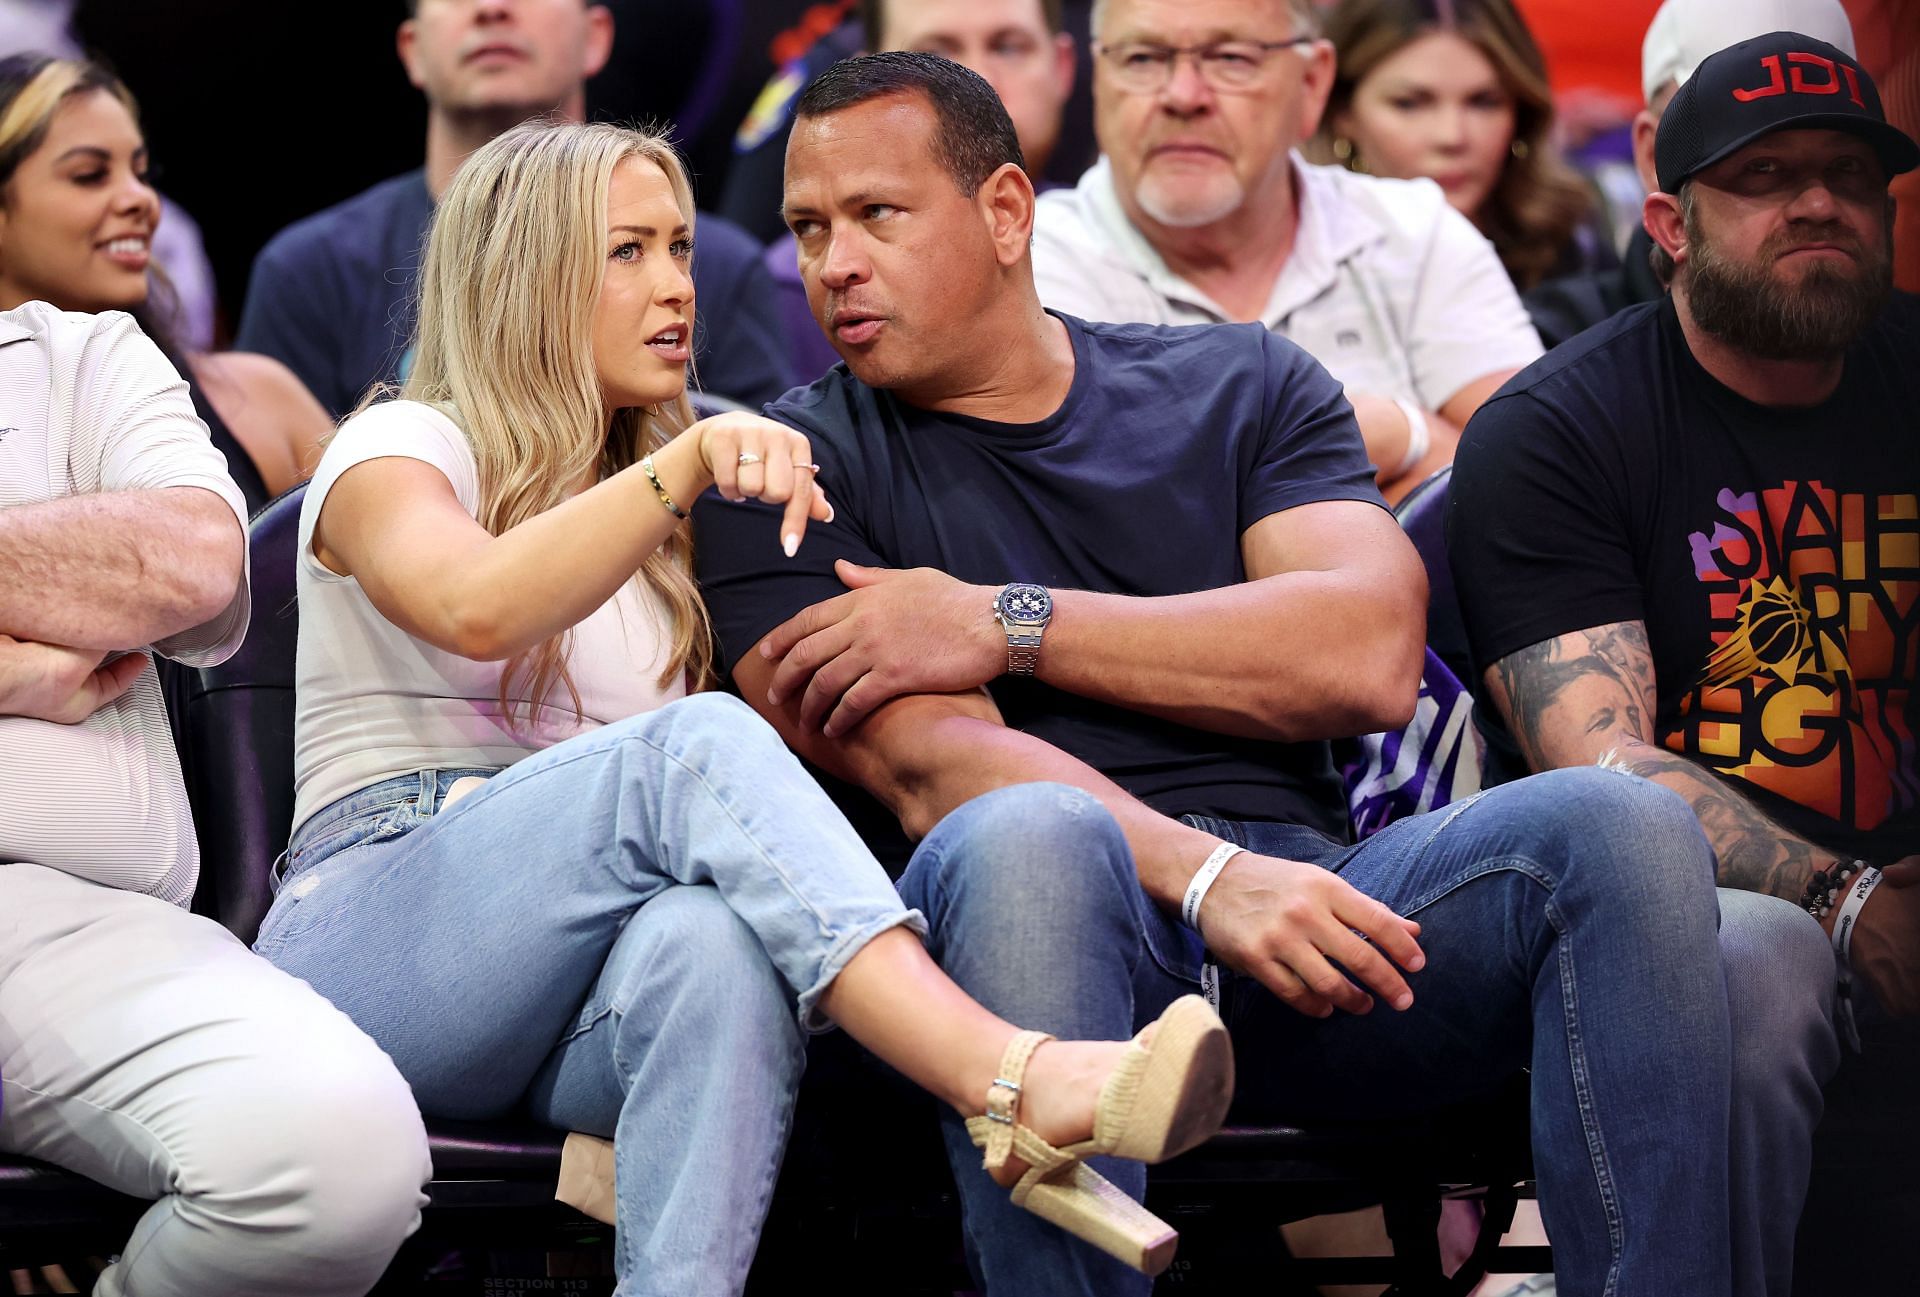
(1772, 553)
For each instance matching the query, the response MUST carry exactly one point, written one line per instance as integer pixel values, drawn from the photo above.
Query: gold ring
(748, 457)
(811, 468)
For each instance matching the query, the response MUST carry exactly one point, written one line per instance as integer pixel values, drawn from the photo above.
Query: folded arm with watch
(1023, 611)
(1322, 640)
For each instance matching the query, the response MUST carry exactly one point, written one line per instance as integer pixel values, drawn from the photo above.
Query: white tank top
(373, 702)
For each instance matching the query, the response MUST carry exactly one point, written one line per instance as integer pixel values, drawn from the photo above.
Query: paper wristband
(1197, 889)
(1850, 909)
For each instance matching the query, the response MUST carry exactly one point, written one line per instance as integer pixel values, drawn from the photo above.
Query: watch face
(1026, 603)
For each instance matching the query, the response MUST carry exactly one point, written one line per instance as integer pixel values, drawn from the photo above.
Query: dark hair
(36, 85)
(1539, 199)
(32, 89)
(973, 136)
(873, 18)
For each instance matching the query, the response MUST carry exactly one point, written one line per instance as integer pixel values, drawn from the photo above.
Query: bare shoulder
(255, 379)
(269, 411)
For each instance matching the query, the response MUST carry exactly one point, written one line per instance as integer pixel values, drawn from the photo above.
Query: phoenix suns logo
(1806, 686)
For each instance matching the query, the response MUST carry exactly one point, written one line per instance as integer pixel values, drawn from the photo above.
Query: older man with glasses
(1200, 211)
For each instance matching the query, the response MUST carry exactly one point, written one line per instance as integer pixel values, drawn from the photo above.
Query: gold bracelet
(646, 466)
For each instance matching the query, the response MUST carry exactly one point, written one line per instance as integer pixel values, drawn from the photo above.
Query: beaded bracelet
(646, 466)
(1826, 885)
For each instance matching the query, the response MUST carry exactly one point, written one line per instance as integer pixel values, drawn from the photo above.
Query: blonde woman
(525, 862)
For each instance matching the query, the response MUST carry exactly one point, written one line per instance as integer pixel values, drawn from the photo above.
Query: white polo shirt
(88, 404)
(1387, 286)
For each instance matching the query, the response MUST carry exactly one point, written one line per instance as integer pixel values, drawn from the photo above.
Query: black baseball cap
(1777, 82)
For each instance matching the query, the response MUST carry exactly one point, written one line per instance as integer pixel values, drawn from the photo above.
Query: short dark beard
(1746, 307)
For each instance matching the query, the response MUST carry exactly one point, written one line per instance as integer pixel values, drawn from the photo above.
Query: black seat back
(239, 726)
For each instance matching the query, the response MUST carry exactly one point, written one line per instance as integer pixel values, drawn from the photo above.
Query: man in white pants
(141, 1045)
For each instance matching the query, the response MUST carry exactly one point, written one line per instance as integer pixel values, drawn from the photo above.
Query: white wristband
(1419, 437)
(1197, 889)
(1857, 895)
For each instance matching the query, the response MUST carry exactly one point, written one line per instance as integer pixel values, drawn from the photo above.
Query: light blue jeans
(1571, 927)
(627, 933)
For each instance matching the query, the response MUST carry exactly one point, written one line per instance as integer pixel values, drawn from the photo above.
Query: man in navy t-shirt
(332, 296)
(1093, 601)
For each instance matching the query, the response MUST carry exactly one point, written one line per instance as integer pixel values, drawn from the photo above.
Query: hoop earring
(1520, 149)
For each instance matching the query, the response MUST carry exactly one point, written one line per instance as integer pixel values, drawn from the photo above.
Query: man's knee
(1031, 846)
(316, 1147)
(1780, 986)
(1644, 835)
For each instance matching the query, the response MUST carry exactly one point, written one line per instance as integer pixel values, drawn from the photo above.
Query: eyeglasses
(1143, 68)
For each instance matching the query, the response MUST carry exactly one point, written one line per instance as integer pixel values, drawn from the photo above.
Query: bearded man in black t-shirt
(1687, 543)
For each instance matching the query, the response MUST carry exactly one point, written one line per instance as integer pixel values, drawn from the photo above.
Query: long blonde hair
(509, 283)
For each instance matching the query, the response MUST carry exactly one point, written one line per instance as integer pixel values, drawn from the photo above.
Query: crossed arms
(85, 576)
(1325, 635)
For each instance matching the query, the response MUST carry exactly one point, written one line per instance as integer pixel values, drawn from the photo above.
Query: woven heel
(1169, 1093)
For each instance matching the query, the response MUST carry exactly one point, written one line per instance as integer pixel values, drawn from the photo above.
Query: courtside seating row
(493, 1182)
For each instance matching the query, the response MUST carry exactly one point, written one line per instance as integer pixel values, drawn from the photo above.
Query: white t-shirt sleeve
(1467, 320)
(404, 429)
(150, 439)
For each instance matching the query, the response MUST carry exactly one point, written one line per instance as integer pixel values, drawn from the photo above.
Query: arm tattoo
(1755, 854)
(1572, 699)
(1605, 671)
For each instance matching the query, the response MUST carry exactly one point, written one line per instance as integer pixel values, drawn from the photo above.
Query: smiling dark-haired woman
(77, 218)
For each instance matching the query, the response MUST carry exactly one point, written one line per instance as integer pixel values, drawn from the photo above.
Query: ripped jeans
(627, 932)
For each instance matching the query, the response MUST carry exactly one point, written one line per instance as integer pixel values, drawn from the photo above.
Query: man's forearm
(1590, 696)
(1755, 854)
(960, 758)
(1323, 640)
(1298, 657)
(926, 754)
(117, 570)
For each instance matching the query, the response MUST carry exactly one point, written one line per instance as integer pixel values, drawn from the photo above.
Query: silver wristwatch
(1023, 611)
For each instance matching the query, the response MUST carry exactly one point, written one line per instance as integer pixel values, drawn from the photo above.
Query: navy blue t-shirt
(1171, 443)
(332, 297)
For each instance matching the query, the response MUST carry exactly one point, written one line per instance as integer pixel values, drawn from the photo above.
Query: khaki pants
(148, 1049)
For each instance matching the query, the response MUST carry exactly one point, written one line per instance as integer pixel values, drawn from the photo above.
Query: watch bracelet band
(1023, 654)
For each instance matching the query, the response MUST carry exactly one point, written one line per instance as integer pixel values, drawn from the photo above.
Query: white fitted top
(373, 702)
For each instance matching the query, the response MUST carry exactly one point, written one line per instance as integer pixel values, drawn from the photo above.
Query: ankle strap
(1003, 1096)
